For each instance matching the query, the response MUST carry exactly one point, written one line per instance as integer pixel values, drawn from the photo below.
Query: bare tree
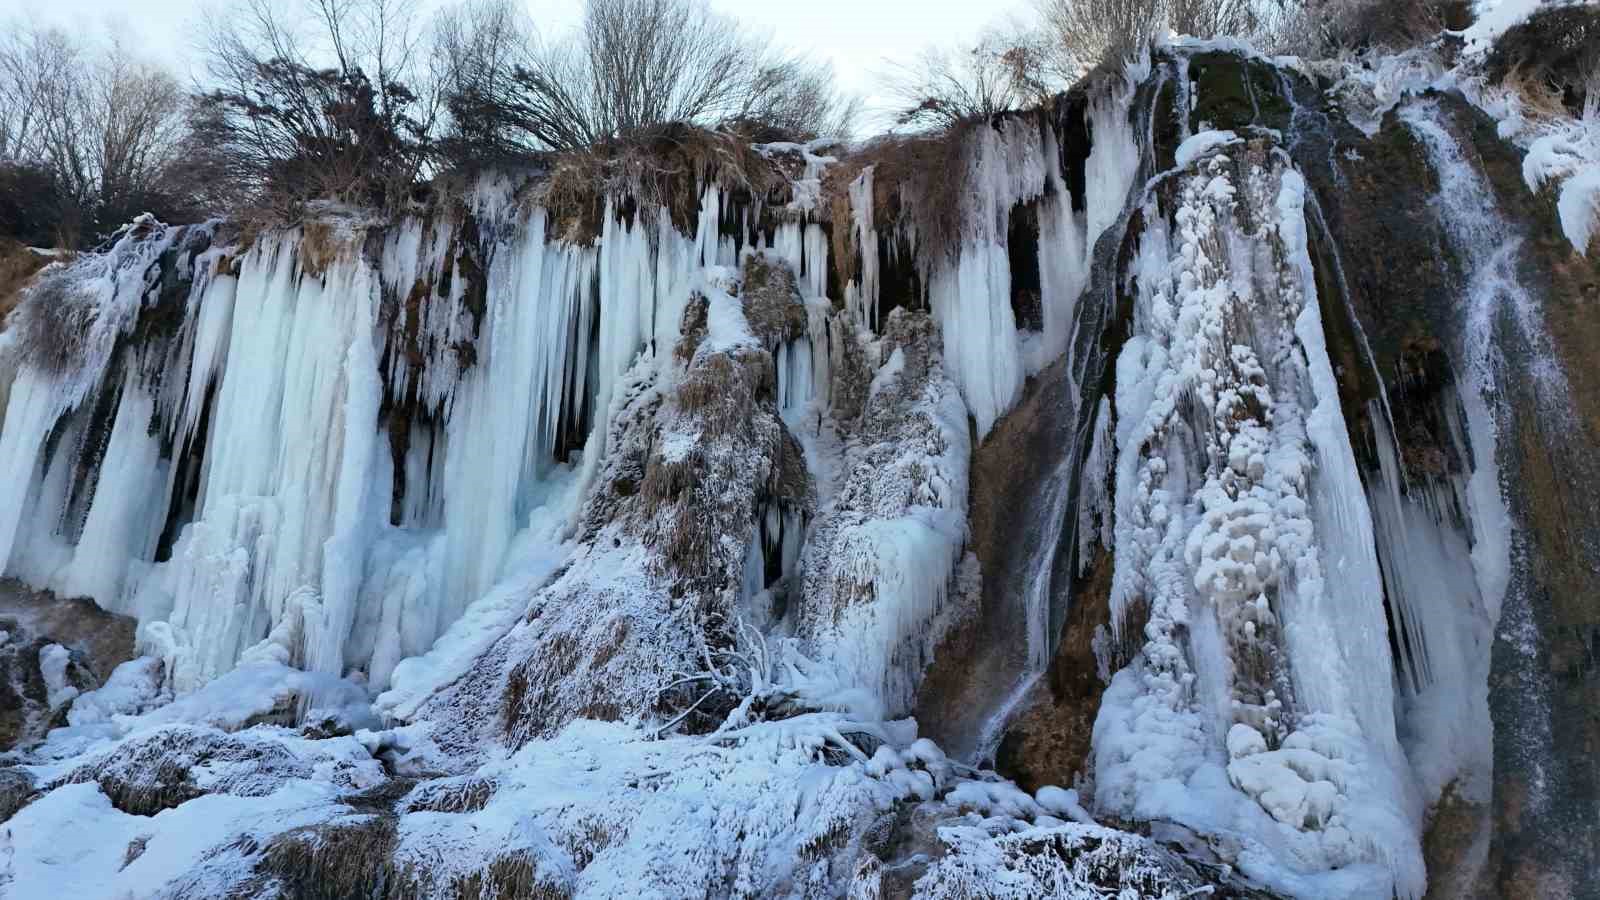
(96, 126)
(630, 65)
(797, 97)
(1335, 26)
(944, 88)
(1089, 32)
(1092, 31)
(34, 62)
(1216, 18)
(316, 102)
(130, 119)
(476, 48)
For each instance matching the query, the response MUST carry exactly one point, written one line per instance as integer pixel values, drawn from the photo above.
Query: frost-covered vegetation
(598, 528)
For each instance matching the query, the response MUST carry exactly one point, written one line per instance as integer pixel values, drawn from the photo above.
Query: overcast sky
(857, 36)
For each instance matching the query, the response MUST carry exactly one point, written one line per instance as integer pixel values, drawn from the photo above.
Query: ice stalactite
(62, 345)
(861, 296)
(970, 291)
(290, 468)
(124, 524)
(362, 439)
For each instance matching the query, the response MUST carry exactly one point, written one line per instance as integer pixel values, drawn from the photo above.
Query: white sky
(857, 36)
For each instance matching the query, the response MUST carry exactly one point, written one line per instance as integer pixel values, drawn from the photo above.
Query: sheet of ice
(538, 552)
(295, 545)
(1579, 208)
(64, 337)
(132, 688)
(124, 522)
(882, 550)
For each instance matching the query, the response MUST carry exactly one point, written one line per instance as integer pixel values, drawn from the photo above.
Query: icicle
(30, 412)
(125, 519)
(971, 296)
(1064, 262)
(861, 298)
(815, 280)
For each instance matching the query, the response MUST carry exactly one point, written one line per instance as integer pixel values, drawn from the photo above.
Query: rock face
(1543, 684)
(1400, 283)
(1169, 490)
(53, 651)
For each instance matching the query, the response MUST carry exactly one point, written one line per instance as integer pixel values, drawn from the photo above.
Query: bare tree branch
(630, 65)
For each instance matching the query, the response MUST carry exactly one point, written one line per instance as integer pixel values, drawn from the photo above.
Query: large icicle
(1262, 698)
(970, 292)
(61, 343)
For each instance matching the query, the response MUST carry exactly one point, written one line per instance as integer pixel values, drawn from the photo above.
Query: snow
(1579, 208)
(132, 688)
(231, 701)
(1203, 144)
(807, 189)
(1065, 861)
(1494, 18)
(53, 661)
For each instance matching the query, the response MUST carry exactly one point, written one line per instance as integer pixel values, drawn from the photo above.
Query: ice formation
(1244, 544)
(481, 552)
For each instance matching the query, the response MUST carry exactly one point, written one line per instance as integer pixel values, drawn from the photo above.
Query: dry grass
(1540, 100)
(319, 246)
(18, 264)
(134, 851)
(662, 167)
(721, 390)
(693, 329)
(451, 795)
(152, 773)
(725, 401)
(791, 480)
(16, 791)
(514, 876)
(851, 376)
(540, 691)
(917, 184)
(333, 861)
(1552, 59)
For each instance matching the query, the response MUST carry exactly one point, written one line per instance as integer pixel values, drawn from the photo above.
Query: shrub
(1317, 27)
(34, 208)
(339, 115)
(1556, 49)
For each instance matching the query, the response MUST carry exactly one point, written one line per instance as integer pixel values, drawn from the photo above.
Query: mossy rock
(1234, 92)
